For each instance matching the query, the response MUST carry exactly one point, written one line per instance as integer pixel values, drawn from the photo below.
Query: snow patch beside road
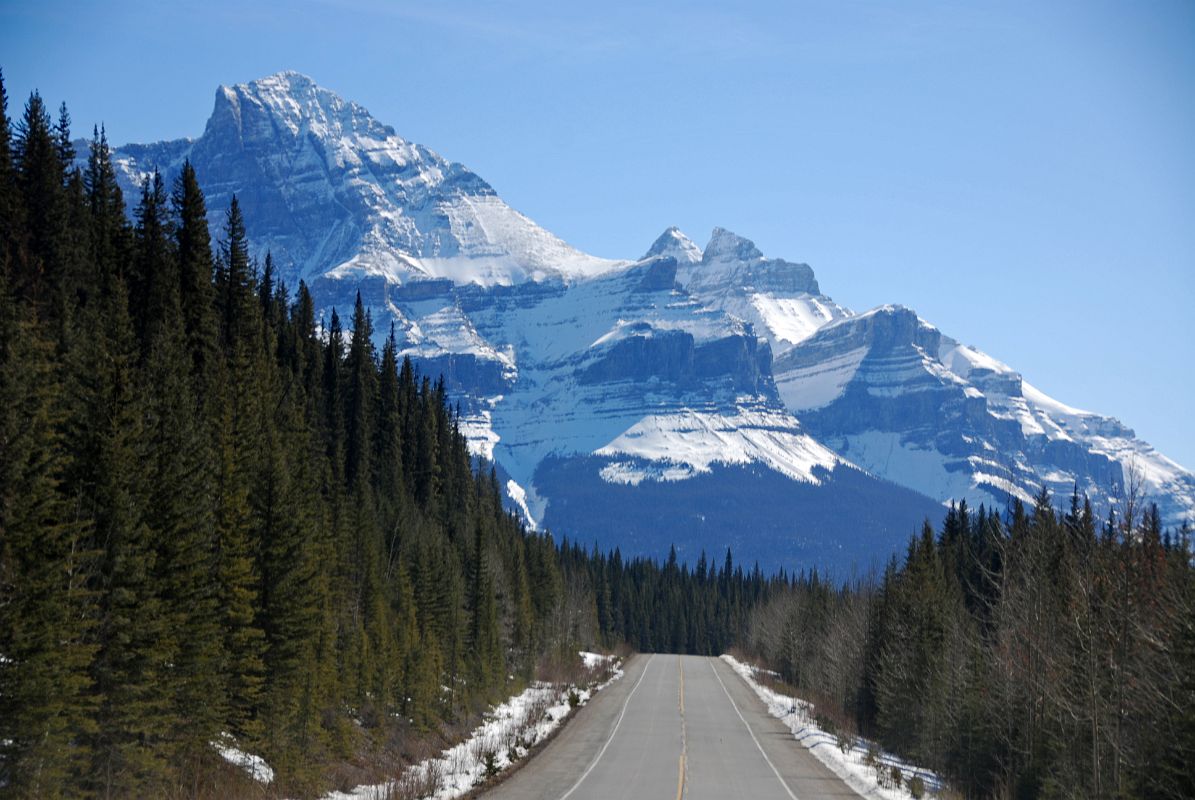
(509, 732)
(852, 766)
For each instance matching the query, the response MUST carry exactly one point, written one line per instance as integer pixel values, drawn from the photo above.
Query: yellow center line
(680, 778)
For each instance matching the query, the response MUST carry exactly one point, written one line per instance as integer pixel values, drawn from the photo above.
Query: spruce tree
(179, 508)
(294, 589)
(195, 276)
(12, 217)
(235, 292)
(46, 606)
(155, 297)
(63, 147)
(134, 635)
(109, 236)
(387, 460)
(41, 181)
(242, 416)
(485, 646)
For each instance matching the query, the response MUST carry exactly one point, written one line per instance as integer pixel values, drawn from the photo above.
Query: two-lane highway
(674, 727)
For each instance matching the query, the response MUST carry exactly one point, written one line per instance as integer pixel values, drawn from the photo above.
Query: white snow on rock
(850, 765)
(478, 430)
(674, 244)
(794, 319)
(518, 496)
(820, 383)
(691, 442)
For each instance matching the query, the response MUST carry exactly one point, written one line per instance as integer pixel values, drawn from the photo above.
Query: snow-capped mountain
(703, 396)
(890, 392)
(335, 192)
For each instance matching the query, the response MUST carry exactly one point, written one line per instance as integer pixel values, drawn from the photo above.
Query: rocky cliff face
(700, 396)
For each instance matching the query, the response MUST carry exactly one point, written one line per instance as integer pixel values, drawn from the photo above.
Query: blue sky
(1021, 173)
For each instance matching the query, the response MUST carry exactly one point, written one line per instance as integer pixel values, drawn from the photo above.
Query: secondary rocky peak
(726, 245)
(674, 243)
(732, 263)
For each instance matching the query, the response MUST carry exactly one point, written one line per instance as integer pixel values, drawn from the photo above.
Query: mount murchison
(708, 397)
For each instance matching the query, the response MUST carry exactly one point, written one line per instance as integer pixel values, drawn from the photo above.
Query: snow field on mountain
(926, 470)
(820, 384)
(697, 441)
(793, 319)
(850, 764)
(478, 429)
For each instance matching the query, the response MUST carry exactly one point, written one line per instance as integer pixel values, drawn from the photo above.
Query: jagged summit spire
(732, 262)
(725, 245)
(674, 243)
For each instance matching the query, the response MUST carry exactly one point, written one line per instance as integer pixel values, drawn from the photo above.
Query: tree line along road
(674, 727)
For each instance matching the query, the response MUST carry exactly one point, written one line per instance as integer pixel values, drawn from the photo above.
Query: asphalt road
(674, 727)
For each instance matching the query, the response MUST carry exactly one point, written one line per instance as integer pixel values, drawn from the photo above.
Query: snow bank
(597, 660)
(256, 766)
(508, 733)
(852, 765)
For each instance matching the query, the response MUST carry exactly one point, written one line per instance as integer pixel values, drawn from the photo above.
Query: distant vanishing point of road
(674, 727)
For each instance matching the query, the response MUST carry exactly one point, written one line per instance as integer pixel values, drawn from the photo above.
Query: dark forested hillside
(1042, 654)
(222, 516)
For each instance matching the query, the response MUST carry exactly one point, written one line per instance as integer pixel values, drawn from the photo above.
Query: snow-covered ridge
(890, 392)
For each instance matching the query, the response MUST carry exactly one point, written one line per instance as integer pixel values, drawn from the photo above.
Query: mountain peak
(731, 262)
(674, 243)
(287, 77)
(725, 245)
(337, 196)
(292, 102)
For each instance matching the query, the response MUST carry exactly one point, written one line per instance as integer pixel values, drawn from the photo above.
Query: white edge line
(748, 727)
(602, 752)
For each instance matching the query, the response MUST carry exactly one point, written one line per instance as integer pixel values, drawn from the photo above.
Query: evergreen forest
(1026, 655)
